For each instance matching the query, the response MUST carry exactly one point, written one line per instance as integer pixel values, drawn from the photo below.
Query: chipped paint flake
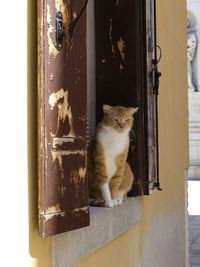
(74, 15)
(60, 153)
(81, 209)
(118, 2)
(78, 177)
(52, 211)
(64, 109)
(53, 135)
(63, 7)
(82, 173)
(52, 49)
(121, 47)
(111, 39)
(61, 141)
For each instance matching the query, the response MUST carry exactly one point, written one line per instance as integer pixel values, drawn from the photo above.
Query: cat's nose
(121, 124)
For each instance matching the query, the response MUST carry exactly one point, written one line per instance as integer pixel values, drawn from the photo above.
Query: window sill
(105, 225)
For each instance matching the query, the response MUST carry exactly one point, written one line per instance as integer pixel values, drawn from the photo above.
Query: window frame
(144, 79)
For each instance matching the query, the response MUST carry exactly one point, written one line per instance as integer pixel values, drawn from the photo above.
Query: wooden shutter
(151, 180)
(124, 43)
(63, 194)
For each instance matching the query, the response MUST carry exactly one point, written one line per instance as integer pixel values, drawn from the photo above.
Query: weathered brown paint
(63, 194)
(123, 68)
(151, 116)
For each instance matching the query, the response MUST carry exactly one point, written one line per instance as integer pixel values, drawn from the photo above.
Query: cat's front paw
(109, 203)
(117, 201)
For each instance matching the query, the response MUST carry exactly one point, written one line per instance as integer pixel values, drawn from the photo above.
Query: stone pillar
(194, 135)
(193, 7)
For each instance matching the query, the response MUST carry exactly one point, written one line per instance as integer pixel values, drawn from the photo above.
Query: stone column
(194, 135)
(193, 7)
(194, 87)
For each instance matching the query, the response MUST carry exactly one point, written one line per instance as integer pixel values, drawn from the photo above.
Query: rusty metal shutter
(124, 53)
(62, 109)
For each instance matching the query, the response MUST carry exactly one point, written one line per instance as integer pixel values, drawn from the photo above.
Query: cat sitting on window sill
(112, 176)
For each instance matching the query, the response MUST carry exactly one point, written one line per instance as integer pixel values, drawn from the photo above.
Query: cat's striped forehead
(119, 110)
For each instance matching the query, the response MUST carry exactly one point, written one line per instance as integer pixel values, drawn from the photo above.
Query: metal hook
(156, 61)
(73, 23)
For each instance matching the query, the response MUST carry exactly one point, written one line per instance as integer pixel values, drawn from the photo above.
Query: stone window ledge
(105, 225)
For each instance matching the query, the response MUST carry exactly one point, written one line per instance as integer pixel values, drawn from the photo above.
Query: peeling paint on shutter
(62, 90)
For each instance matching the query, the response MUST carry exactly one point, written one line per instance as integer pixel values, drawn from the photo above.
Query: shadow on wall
(38, 247)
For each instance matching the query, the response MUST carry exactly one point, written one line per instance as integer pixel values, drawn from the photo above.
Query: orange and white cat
(113, 176)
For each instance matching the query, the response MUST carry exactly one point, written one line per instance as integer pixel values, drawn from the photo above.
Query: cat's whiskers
(133, 134)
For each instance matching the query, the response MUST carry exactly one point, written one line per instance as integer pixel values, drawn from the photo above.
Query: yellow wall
(159, 240)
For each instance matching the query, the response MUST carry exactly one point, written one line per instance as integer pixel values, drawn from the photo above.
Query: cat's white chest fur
(113, 143)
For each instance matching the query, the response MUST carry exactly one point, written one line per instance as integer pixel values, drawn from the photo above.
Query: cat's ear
(106, 109)
(132, 110)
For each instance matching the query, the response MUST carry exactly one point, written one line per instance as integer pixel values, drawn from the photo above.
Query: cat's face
(118, 117)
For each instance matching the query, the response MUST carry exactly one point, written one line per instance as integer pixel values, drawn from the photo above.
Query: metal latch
(60, 30)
